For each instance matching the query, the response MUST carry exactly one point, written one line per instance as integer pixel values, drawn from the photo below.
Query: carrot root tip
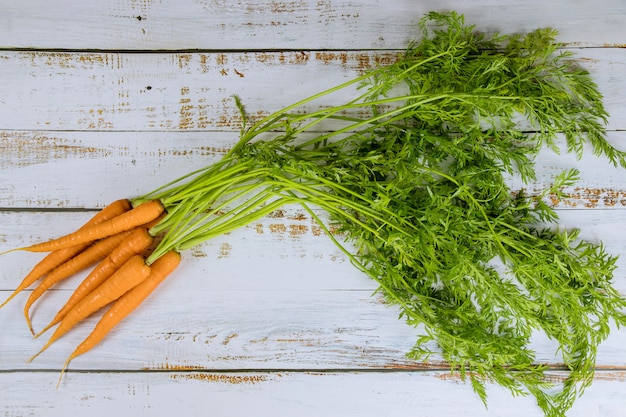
(42, 331)
(32, 358)
(39, 353)
(64, 368)
(13, 250)
(30, 326)
(5, 302)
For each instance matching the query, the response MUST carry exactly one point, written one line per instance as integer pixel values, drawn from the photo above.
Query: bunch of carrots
(116, 240)
(413, 173)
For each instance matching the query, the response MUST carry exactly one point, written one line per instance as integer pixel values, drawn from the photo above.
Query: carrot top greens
(413, 170)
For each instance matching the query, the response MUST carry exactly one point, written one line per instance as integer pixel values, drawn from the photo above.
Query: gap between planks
(615, 371)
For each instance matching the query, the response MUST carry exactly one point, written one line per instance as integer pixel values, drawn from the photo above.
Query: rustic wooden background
(101, 100)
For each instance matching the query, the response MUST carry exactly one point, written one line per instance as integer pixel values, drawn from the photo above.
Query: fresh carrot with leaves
(58, 257)
(133, 272)
(134, 244)
(93, 254)
(127, 303)
(137, 216)
(413, 172)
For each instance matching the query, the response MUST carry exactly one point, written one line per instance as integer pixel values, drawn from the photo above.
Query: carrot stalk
(93, 254)
(135, 244)
(58, 257)
(137, 216)
(127, 277)
(127, 303)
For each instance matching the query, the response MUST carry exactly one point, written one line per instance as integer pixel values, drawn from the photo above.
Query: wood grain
(301, 305)
(291, 24)
(116, 91)
(65, 169)
(102, 100)
(193, 393)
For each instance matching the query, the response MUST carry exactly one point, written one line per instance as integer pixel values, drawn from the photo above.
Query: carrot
(137, 216)
(88, 257)
(127, 277)
(47, 264)
(58, 257)
(154, 222)
(125, 305)
(136, 243)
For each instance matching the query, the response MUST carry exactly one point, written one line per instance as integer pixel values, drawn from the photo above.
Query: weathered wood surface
(193, 91)
(98, 163)
(300, 305)
(104, 100)
(265, 394)
(290, 24)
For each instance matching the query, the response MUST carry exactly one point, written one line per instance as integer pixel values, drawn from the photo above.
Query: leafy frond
(415, 176)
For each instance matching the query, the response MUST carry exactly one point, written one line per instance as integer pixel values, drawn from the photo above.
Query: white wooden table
(101, 100)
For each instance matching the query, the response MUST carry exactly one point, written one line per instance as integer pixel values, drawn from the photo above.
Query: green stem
(241, 220)
(269, 122)
(196, 224)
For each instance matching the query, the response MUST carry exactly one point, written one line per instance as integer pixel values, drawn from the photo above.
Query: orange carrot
(135, 244)
(137, 216)
(56, 258)
(125, 305)
(127, 277)
(93, 254)
(154, 222)
(47, 264)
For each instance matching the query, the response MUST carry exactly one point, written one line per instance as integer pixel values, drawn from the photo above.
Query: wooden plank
(89, 169)
(188, 328)
(286, 393)
(243, 329)
(99, 91)
(272, 24)
(44, 169)
(252, 300)
(287, 240)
